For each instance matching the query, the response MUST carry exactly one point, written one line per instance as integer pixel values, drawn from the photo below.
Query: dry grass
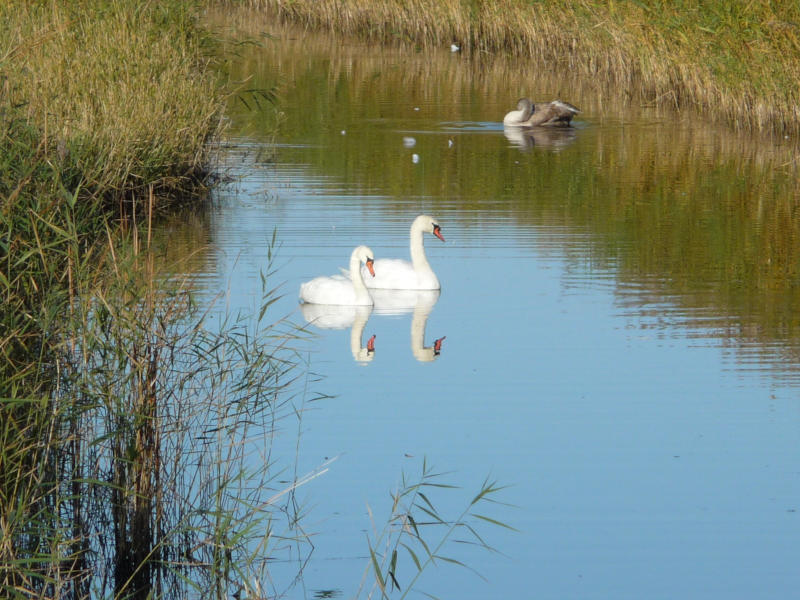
(735, 62)
(119, 93)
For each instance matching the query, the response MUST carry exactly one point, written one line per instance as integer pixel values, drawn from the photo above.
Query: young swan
(528, 114)
(398, 274)
(341, 290)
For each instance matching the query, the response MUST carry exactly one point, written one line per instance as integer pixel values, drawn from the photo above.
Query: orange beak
(437, 345)
(371, 344)
(370, 267)
(437, 231)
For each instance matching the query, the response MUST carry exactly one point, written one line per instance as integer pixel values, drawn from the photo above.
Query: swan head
(521, 114)
(365, 255)
(430, 225)
(526, 107)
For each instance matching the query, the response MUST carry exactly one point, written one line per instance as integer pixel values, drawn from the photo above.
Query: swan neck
(417, 246)
(358, 281)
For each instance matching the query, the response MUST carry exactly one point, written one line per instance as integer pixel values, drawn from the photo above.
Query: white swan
(341, 290)
(397, 274)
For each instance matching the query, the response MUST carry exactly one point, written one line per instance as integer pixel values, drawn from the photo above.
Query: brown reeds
(104, 488)
(121, 96)
(735, 63)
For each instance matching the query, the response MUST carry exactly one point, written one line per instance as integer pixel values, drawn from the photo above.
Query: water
(618, 309)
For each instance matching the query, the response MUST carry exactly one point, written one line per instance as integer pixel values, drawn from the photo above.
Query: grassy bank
(117, 96)
(738, 63)
(136, 432)
(104, 104)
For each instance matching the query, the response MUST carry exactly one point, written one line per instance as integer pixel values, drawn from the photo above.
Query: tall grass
(735, 62)
(118, 95)
(416, 534)
(127, 426)
(135, 441)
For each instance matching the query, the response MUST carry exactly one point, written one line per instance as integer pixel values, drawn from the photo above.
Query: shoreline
(733, 65)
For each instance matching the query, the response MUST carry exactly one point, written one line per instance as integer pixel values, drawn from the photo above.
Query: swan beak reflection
(437, 231)
(437, 345)
(369, 262)
(371, 344)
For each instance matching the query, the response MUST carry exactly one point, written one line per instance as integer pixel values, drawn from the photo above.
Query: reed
(416, 533)
(134, 438)
(131, 433)
(119, 95)
(737, 63)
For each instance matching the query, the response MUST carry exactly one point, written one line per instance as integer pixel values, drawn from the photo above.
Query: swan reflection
(554, 138)
(418, 302)
(328, 316)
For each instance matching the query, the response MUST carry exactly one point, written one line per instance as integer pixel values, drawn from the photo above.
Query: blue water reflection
(640, 463)
(354, 318)
(649, 441)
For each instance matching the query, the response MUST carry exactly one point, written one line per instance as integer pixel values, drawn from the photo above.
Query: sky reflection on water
(642, 460)
(649, 436)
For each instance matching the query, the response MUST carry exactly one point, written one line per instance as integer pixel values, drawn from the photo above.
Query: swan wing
(335, 289)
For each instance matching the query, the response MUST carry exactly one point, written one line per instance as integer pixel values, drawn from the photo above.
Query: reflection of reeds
(371, 77)
(736, 62)
(708, 212)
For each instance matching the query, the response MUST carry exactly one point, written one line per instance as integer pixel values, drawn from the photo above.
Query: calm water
(620, 309)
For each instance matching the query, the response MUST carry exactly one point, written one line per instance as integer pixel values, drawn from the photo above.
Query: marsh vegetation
(734, 62)
(136, 432)
(136, 426)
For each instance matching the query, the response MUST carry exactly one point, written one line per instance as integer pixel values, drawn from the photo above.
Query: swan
(341, 290)
(528, 114)
(397, 274)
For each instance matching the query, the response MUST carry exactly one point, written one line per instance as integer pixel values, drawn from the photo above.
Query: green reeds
(735, 62)
(132, 435)
(416, 533)
(135, 441)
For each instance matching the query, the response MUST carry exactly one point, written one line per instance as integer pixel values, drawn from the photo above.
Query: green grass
(735, 62)
(102, 364)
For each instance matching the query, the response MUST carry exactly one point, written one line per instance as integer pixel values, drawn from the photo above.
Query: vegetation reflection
(698, 214)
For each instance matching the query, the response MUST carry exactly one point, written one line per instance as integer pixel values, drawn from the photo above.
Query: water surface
(619, 305)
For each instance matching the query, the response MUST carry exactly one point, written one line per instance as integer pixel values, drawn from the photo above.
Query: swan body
(529, 114)
(397, 274)
(341, 290)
